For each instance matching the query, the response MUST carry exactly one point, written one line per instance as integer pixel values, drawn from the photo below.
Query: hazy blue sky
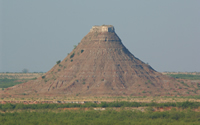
(37, 33)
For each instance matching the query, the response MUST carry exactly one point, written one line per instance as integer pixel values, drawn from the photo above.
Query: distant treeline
(185, 76)
(186, 104)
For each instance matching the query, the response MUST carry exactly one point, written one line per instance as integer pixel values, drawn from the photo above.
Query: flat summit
(99, 66)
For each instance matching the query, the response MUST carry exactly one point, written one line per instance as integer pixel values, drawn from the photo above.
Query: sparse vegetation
(25, 71)
(143, 92)
(11, 79)
(184, 83)
(108, 117)
(5, 83)
(150, 82)
(185, 76)
(198, 85)
(182, 105)
(72, 55)
(58, 62)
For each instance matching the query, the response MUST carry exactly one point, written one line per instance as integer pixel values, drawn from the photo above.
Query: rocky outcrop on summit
(100, 66)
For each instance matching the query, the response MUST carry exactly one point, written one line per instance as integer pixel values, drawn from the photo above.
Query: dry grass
(107, 99)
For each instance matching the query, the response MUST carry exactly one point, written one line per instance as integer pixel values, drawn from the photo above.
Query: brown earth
(101, 66)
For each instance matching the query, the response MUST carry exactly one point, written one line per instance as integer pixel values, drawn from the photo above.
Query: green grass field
(185, 76)
(53, 114)
(107, 117)
(11, 79)
(5, 83)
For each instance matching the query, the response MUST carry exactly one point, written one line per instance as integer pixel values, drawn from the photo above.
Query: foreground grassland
(108, 117)
(53, 114)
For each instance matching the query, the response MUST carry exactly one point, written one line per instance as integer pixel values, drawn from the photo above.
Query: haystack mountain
(100, 65)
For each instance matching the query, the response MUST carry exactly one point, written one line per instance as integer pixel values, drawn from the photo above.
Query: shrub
(82, 51)
(58, 61)
(72, 55)
(43, 77)
(184, 83)
(25, 71)
(34, 78)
